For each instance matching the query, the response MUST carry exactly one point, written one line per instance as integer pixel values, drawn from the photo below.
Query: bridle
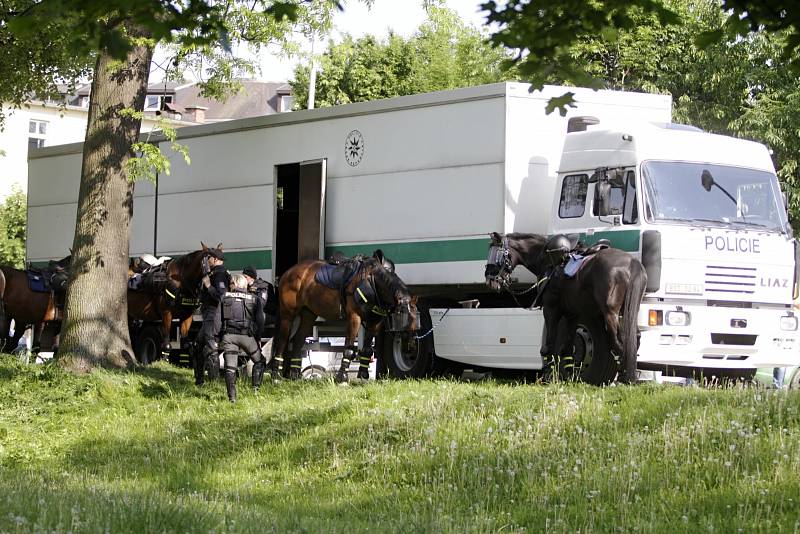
(498, 264)
(499, 267)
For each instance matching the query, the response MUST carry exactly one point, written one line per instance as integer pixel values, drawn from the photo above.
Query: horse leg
(281, 340)
(305, 329)
(166, 324)
(552, 320)
(365, 356)
(350, 347)
(612, 331)
(566, 349)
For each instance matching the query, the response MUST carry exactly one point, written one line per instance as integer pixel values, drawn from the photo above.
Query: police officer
(215, 285)
(242, 317)
(265, 291)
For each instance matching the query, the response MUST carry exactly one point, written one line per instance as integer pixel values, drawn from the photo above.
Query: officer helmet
(557, 249)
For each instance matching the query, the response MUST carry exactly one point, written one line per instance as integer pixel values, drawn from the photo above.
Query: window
(630, 213)
(573, 196)
(286, 103)
(155, 102)
(37, 133)
(616, 199)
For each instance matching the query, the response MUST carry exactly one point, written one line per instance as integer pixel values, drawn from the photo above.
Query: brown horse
(177, 300)
(370, 295)
(27, 307)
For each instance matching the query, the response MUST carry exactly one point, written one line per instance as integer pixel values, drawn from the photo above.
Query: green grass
(150, 452)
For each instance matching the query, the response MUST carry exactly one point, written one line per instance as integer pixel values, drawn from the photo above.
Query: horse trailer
(426, 177)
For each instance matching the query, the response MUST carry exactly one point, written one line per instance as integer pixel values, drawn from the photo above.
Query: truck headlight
(789, 322)
(677, 318)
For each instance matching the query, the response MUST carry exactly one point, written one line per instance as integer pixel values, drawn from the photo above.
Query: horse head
(391, 289)
(506, 251)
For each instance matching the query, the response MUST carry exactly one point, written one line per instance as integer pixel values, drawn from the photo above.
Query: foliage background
(13, 221)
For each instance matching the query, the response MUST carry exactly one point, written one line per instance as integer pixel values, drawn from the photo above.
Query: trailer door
(299, 214)
(311, 220)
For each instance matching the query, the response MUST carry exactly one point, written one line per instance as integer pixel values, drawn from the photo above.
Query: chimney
(196, 114)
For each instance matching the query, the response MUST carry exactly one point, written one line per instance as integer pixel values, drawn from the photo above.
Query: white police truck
(426, 177)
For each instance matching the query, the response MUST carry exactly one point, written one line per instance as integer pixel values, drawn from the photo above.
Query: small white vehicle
(425, 178)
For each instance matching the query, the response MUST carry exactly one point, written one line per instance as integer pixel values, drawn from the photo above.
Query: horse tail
(630, 329)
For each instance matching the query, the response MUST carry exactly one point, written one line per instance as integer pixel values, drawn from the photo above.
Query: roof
(253, 100)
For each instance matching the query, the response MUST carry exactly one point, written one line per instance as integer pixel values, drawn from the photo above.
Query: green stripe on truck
(420, 251)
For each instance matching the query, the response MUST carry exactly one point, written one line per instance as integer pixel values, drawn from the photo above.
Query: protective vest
(239, 313)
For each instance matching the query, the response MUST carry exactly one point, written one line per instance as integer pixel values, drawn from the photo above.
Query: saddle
(577, 259)
(53, 278)
(337, 274)
(150, 280)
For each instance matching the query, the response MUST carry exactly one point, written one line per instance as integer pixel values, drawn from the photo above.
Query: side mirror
(602, 197)
(707, 180)
(618, 178)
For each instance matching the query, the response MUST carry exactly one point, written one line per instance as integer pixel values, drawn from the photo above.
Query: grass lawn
(149, 452)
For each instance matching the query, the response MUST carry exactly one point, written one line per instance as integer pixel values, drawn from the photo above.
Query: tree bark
(95, 327)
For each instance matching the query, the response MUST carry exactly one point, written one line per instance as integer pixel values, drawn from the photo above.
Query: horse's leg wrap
(549, 367)
(341, 374)
(566, 368)
(295, 368)
(275, 367)
(365, 357)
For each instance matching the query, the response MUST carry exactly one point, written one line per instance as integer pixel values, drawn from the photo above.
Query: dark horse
(610, 281)
(371, 294)
(177, 299)
(33, 307)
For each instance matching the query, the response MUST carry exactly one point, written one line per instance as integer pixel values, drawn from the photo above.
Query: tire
(792, 380)
(407, 357)
(592, 352)
(148, 344)
(314, 372)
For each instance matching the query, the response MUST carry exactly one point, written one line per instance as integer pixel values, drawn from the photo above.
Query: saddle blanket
(336, 276)
(135, 282)
(574, 264)
(37, 282)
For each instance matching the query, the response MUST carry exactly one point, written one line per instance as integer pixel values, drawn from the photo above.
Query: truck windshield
(717, 194)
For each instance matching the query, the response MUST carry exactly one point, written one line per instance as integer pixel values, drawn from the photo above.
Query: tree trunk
(95, 328)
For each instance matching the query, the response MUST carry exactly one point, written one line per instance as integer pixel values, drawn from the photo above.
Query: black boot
(198, 362)
(212, 363)
(258, 374)
(230, 383)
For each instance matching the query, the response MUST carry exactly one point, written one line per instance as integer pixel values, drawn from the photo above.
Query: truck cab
(705, 215)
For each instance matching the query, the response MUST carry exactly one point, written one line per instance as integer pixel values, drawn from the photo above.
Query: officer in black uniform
(265, 291)
(242, 317)
(215, 284)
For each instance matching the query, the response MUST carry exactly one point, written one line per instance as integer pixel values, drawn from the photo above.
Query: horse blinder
(498, 266)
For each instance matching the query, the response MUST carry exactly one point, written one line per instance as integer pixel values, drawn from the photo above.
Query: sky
(402, 16)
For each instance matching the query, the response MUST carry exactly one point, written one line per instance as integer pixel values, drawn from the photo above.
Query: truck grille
(725, 279)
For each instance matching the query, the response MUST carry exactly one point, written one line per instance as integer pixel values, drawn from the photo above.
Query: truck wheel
(591, 350)
(792, 380)
(148, 344)
(408, 357)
